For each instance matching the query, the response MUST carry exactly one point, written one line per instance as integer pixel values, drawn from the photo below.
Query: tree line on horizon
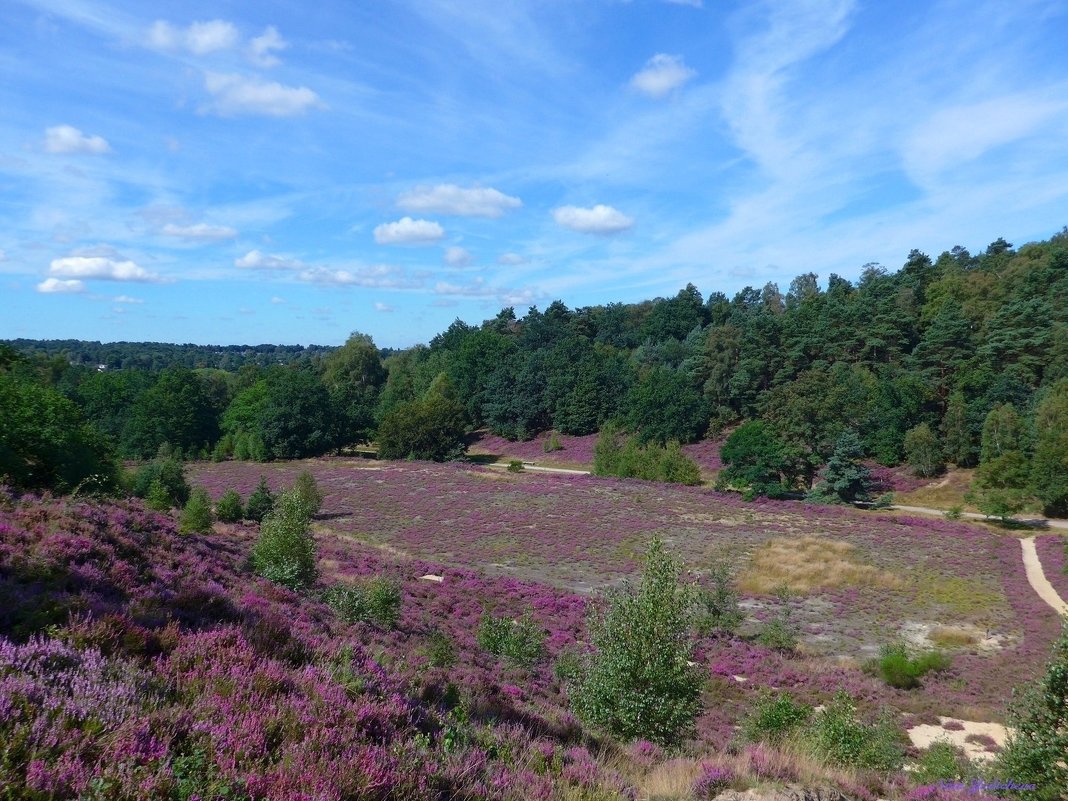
(957, 360)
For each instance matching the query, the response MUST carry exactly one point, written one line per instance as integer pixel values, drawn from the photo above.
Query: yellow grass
(944, 492)
(952, 636)
(806, 564)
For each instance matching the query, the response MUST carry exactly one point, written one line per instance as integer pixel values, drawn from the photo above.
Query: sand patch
(806, 564)
(926, 734)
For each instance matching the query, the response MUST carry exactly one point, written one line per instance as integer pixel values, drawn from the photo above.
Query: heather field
(863, 580)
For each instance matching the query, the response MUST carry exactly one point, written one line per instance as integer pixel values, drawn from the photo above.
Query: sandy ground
(925, 735)
(1038, 579)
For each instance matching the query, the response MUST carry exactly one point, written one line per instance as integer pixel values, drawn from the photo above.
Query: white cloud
(105, 268)
(407, 231)
(600, 219)
(236, 94)
(511, 259)
(455, 200)
(277, 301)
(68, 139)
(127, 299)
(383, 307)
(479, 289)
(378, 275)
(662, 75)
(199, 38)
(260, 48)
(202, 231)
(56, 286)
(257, 260)
(690, 3)
(457, 257)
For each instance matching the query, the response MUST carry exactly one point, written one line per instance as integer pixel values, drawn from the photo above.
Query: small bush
(900, 670)
(944, 762)
(308, 492)
(774, 718)
(781, 634)
(712, 781)
(166, 479)
(260, 502)
(376, 600)
(285, 550)
(716, 603)
(837, 735)
(230, 509)
(520, 641)
(440, 649)
(196, 516)
(552, 444)
(515, 466)
(954, 512)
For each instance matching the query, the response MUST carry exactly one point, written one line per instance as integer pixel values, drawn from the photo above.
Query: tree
(1001, 486)
(230, 509)
(638, 683)
(177, 409)
(196, 516)
(309, 493)
(1002, 432)
(1049, 466)
(285, 552)
(354, 376)
(846, 478)
(957, 437)
(664, 405)
(1037, 750)
(922, 451)
(260, 502)
(432, 427)
(756, 460)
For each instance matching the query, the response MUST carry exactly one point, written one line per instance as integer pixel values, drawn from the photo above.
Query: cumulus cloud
(600, 219)
(51, 286)
(199, 38)
(383, 307)
(127, 299)
(68, 139)
(407, 231)
(662, 75)
(378, 275)
(201, 231)
(237, 94)
(455, 200)
(104, 268)
(511, 259)
(457, 257)
(257, 260)
(260, 49)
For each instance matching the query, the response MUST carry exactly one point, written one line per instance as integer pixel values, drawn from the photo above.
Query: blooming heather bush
(638, 683)
(285, 551)
(230, 509)
(712, 781)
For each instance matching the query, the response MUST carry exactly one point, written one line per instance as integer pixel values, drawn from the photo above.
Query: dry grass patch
(807, 564)
(943, 493)
(953, 636)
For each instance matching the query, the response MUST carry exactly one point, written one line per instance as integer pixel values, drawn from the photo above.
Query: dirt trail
(1038, 579)
(1038, 522)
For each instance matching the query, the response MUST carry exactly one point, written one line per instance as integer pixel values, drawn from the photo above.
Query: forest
(961, 359)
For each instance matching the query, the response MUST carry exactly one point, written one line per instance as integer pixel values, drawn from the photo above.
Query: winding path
(1037, 578)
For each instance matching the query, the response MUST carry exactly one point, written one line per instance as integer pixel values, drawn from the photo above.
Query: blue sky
(234, 172)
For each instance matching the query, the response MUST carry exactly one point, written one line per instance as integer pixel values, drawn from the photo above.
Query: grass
(808, 564)
(944, 492)
(953, 637)
(958, 594)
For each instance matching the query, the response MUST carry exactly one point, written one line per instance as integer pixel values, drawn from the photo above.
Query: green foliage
(651, 462)
(260, 502)
(922, 451)
(837, 735)
(944, 762)
(521, 641)
(1049, 467)
(45, 442)
(432, 427)
(755, 459)
(1002, 433)
(957, 437)
(903, 670)
(230, 509)
(177, 409)
(440, 649)
(515, 466)
(353, 375)
(552, 444)
(1001, 487)
(665, 406)
(1036, 750)
(309, 494)
(162, 484)
(846, 478)
(774, 717)
(285, 552)
(781, 633)
(196, 517)
(716, 610)
(157, 497)
(954, 512)
(638, 683)
(376, 600)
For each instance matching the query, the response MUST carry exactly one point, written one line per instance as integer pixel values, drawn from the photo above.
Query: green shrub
(260, 502)
(158, 498)
(230, 509)
(716, 603)
(944, 762)
(781, 634)
(773, 718)
(552, 444)
(515, 466)
(652, 462)
(308, 492)
(376, 600)
(440, 649)
(637, 683)
(521, 641)
(901, 670)
(173, 490)
(838, 736)
(285, 551)
(196, 517)
(954, 512)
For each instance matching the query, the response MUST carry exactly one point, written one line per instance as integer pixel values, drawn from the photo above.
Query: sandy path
(926, 510)
(1038, 579)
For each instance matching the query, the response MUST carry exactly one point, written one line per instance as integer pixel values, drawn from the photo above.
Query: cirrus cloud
(68, 139)
(104, 268)
(51, 286)
(407, 231)
(200, 231)
(599, 219)
(662, 75)
(261, 47)
(200, 38)
(455, 200)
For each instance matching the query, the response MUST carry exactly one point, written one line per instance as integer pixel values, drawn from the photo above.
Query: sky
(290, 172)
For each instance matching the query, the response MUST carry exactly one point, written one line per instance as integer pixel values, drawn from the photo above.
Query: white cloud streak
(600, 219)
(457, 257)
(261, 48)
(662, 75)
(200, 38)
(68, 139)
(257, 260)
(56, 286)
(104, 268)
(235, 95)
(455, 200)
(200, 231)
(407, 231)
